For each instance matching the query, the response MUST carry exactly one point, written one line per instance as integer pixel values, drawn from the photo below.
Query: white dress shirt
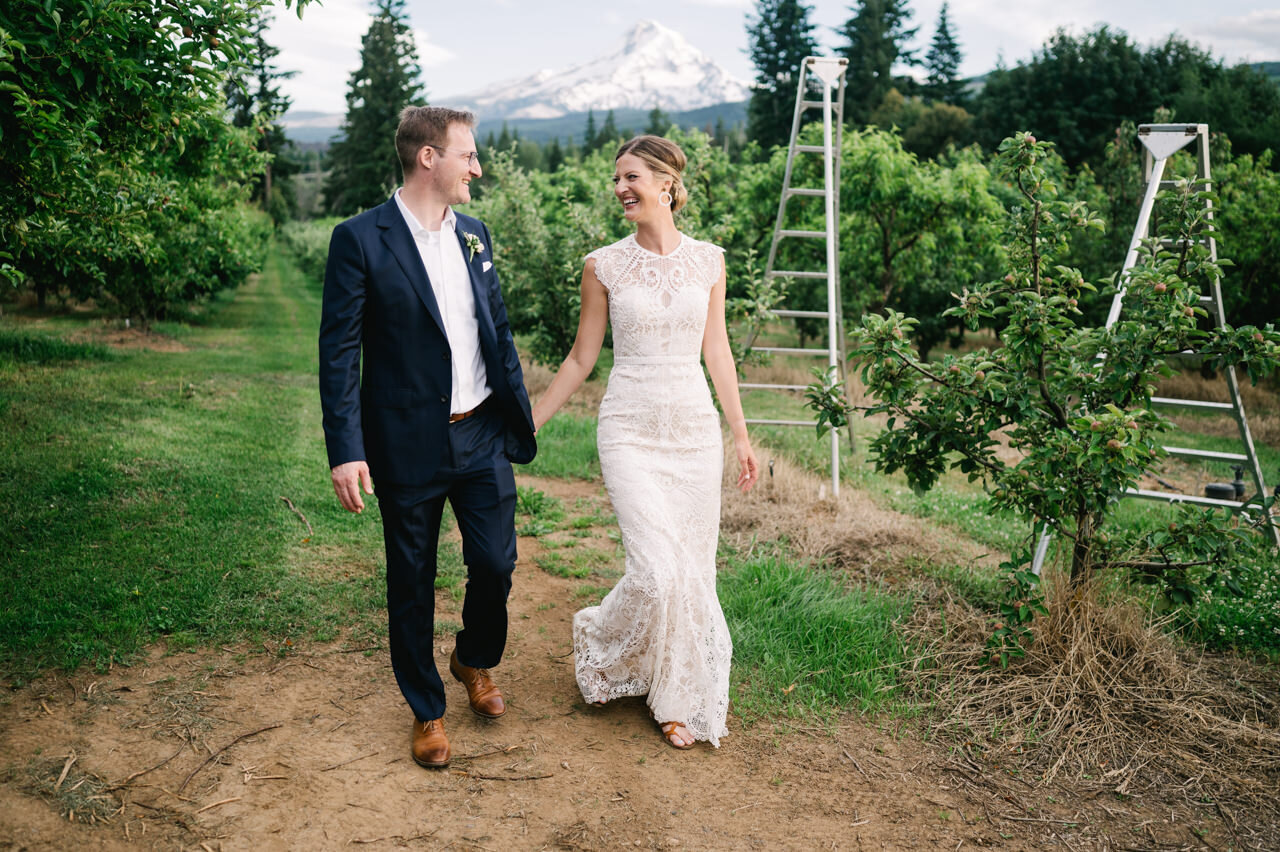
(441, 254)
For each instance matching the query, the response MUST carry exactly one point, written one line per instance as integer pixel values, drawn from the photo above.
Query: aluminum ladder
(1159, 143)
(829, 73)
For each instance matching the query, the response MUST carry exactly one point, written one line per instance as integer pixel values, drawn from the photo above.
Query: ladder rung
(809, 193)
(780, 422)
(1208, 300)
(1183, 452)
(783, 350)
(1169, 244)
(1183, 498)
(811, 104)
(822, 235)
(758, 386)
(1193, 403)
(793, 273)
(801, 314)
(811, 149)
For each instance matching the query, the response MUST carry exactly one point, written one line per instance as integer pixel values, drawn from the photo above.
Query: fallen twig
(223, 802)
(66, 767)
(152, 769)
(224, 748)
(485, 777)
(294, 509)
(352, 760)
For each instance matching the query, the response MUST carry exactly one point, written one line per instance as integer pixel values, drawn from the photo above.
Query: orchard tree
(942, 63)
(875, 37)
(364, 167)
(781, 36)
(1080, 426)
(122, 179)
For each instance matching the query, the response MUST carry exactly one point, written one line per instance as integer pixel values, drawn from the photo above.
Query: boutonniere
(474, 244)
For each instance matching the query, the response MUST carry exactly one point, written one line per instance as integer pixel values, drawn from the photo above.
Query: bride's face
(637, 188)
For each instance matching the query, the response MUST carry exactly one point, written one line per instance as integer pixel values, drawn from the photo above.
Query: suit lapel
(399, 241)
(478, 290)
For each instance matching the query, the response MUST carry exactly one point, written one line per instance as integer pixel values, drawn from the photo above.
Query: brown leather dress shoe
(430, 745)
(482, 693)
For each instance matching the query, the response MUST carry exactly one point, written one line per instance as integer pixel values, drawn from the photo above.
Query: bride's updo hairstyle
(666, 160)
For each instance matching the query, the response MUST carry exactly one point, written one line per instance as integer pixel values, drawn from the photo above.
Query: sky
(466, 45)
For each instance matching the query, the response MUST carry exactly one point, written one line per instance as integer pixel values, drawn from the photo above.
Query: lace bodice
(658, 303)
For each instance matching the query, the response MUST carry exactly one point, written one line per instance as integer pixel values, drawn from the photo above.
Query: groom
(439, 412)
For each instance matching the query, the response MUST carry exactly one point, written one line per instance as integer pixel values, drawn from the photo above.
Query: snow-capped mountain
(654, 65)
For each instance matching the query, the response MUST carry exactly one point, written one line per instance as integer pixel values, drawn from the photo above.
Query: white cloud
(1253, 36)
(324, 48)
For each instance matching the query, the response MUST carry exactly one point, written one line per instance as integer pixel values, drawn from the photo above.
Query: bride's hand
(749, 468)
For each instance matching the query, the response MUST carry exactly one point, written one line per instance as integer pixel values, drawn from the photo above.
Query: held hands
(347, 479)
(748, 466)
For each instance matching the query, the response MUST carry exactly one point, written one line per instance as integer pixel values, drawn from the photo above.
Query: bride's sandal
(669, 733)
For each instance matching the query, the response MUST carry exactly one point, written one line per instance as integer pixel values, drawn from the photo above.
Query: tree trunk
(1082, 551)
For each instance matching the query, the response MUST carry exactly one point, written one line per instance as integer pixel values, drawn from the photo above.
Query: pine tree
(254, 100)
(504, 138)
(875, 36)
(555, 155)
(781, 37)
(943, 63)
(659, 122)
(363, 163)
(608, 131)
(590, 134)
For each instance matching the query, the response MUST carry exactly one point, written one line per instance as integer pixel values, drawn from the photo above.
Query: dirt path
(269, 748)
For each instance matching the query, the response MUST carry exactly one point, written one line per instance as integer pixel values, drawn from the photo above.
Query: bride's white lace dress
(660, 632)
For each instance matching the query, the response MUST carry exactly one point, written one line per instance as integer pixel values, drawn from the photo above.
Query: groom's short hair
(426, 125)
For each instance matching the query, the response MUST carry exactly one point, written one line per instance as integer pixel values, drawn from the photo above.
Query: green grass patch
(151, 488)
(538, 513)
(806, 646)
(566, 449)
(26, 347)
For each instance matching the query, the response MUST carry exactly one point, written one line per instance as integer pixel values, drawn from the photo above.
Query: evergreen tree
(555, 155)
(504, 138)
(659, 122)
(942, 63)
(608, 132)
(590, 134)
(254, 100)
(781, 37)
(875, 37)
(363, 163)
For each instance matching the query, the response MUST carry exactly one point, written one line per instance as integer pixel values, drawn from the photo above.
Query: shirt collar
(415, 227)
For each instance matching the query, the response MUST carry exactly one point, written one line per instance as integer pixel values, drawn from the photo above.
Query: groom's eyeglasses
(473, 157)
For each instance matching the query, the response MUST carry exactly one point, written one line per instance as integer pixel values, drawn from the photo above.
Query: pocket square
(486, 267)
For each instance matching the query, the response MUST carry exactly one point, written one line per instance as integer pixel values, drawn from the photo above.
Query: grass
(566, 449)
(24, 347)
(804, 644)
(151, 486)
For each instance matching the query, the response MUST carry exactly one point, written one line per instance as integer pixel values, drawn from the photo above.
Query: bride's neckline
(679, 246)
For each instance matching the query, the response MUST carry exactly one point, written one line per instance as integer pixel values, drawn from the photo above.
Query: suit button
(444, 399)
(444, 357)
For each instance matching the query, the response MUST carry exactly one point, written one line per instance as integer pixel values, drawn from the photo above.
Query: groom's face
(453, 168)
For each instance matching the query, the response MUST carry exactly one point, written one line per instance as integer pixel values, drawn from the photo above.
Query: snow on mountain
(653, 66)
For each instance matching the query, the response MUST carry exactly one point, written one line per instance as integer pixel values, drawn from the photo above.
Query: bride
(660, 632)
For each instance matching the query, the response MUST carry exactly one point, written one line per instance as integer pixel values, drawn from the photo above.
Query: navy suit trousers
(477, 480)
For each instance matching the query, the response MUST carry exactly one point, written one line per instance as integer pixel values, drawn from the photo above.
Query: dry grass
(1107, 698)
(79, 796)
(1259, 405)
(852, 532)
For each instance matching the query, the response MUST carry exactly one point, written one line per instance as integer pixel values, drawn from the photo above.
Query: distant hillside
(314, 129)
(1271, 69)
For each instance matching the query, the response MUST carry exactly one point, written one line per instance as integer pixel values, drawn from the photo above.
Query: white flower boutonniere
(474, 244)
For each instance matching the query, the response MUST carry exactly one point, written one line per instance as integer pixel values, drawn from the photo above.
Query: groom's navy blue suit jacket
(378, 304)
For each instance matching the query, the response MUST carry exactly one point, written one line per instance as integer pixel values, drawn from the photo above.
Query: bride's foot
(676, 735)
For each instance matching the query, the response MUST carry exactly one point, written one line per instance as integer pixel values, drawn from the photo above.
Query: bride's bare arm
(586, 347)
(724, 375)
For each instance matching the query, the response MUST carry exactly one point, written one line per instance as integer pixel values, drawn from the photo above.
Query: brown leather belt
(463, 415)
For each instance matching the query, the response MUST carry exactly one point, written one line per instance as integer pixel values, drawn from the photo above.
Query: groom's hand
(347, 479)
